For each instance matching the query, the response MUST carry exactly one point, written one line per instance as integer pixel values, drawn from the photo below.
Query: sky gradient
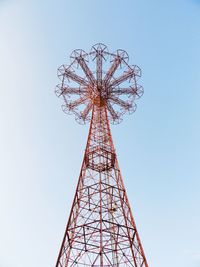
(158, 147)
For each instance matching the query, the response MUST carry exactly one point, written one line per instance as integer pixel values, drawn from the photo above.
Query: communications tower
(100, 87)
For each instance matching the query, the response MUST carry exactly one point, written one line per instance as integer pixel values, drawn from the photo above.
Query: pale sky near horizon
(42, 148)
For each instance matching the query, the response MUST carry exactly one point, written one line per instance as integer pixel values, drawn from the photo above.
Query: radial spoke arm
(77, 102)
(71, 75)
(112, 69)
(72, 90)
(127, 75)
(112, 112)
(86, 111)
(120, 102)
(99, 69)
(86, 70)
(125, 91)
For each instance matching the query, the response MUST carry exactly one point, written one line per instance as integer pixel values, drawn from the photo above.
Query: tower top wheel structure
(99, 78)
(100, 87)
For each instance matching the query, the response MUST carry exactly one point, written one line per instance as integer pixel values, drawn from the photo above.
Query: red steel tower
(100, 87)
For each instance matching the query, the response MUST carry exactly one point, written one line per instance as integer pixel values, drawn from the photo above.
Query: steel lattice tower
(101, 230)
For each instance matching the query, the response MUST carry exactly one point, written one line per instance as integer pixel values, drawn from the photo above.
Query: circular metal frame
(99, 77)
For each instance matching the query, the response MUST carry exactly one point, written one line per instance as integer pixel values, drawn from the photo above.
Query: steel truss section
(101, 230)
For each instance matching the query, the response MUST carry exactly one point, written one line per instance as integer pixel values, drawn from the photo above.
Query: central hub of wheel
(99, 101)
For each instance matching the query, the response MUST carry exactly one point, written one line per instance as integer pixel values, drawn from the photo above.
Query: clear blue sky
(42, 148)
